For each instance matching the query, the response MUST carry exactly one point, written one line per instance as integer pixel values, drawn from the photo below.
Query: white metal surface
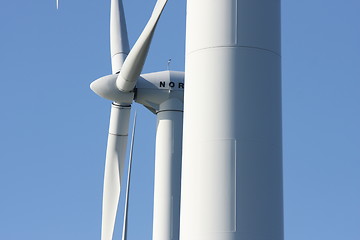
(106, 88)
(232, 148)
(128, 183)
(166, 216)
(114, 167)
(119, 42)
(134, 63)
(154, 89)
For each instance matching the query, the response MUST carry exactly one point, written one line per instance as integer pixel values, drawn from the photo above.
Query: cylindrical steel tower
(232, 148)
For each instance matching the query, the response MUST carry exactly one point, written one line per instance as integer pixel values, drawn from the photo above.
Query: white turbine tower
(161, 93)
(232, 148)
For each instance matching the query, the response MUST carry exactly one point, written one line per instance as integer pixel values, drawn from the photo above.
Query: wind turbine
(161, 93)
(232, 148)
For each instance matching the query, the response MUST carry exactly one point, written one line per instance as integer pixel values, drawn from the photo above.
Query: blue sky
(54, 129)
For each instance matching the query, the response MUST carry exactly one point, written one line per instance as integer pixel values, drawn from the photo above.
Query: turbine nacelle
(161, 91)
(152, 89)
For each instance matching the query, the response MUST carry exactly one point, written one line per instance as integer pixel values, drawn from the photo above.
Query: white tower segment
(232, 148)
(166, 217)
(162, 93)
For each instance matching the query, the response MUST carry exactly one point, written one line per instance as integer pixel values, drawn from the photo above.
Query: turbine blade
(119, 42)
(127, 196)
(114, 165)
(134, 62)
